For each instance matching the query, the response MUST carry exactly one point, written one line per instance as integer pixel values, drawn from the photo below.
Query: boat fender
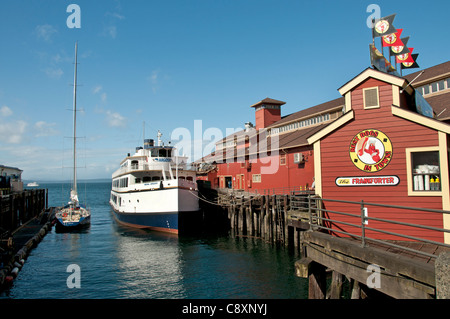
(15, 272)
(9, 280)
(18, 265)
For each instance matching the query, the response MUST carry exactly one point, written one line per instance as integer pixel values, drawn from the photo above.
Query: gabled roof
(378, 75)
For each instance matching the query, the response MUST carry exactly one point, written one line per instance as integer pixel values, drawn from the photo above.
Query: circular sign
(390, 38)
(382, 26)
(397, 48)
(370, 150)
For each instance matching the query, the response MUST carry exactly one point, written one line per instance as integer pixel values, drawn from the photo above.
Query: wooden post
(336, 285)
(285, 224)
(241, 220)
(356, 290)
(317, 282)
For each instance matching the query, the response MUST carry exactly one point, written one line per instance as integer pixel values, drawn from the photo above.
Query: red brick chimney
(267, 112)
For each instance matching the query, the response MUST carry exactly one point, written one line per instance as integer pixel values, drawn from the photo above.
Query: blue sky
(170, 63)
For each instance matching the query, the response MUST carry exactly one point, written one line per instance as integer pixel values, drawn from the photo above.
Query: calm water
(119, 262)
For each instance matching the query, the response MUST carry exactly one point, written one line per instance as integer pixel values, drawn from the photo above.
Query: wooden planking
(401, 277)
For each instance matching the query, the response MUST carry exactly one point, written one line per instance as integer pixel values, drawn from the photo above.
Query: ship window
(146, 179)
(137, 180)
(162, 153)
(169, 153)
(156, 178)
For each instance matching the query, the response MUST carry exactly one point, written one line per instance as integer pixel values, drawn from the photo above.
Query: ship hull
(155, 209)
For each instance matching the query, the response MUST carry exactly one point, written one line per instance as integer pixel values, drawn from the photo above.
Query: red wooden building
(375, 144)
(382, 150)
(273, 154)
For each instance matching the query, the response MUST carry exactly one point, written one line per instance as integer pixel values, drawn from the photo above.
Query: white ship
(153, 187)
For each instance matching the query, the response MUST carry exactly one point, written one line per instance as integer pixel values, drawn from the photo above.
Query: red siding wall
(274, 174)
(403, 134)
(266, 117)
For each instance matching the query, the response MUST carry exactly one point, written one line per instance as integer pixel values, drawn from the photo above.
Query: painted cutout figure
(375, 153)
(367, 146)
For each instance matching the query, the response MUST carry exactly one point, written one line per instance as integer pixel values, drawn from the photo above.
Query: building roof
(441, 105)
(430, 74)
(268, 101)
(10, 167)
(318, 109)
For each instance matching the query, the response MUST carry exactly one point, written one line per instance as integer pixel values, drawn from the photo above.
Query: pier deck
(408, 267)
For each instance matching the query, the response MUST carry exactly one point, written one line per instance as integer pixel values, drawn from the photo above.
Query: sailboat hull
(70, 217)
(84, 222)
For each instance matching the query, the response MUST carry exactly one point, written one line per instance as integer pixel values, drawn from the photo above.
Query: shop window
(256, 178)
(371, 98)
(424, 171)
(283, 159)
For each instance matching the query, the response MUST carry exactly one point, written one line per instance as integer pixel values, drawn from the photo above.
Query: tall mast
(75, 123)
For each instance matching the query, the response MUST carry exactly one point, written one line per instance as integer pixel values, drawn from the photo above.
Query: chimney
(267, 112)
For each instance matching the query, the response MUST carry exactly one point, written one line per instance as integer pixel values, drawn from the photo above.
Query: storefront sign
(370, 150)
(367, 181)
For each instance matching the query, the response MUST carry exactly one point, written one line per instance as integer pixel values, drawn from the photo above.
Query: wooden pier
(24, 221)
(340, 265)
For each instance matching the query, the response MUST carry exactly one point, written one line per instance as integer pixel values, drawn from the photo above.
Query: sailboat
(73, 215)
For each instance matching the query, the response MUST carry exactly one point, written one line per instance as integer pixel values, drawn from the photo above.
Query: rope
(213, 203)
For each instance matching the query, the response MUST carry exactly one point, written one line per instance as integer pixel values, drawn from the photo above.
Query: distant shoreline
(80, 181)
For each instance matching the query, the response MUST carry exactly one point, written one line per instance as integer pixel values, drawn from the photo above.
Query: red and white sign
(367, 181)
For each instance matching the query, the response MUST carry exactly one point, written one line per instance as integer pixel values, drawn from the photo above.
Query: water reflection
(148, 264)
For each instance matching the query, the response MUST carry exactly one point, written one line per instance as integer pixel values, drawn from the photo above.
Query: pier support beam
(316, 274)
(442, 271)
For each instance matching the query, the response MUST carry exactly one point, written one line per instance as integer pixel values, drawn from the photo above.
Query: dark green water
(117, 262)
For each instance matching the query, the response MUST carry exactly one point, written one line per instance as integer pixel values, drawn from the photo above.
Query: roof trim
(331, 127)
(420, 119)
(268, 100)
(378, 75)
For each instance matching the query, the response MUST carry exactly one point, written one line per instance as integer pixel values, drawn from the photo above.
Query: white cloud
(97, 89)
(12, 132)
(114, 119)
(43, 129)
(45, 32)
(154, 80)
(110, 31)
(115, 15)
(54, 73)
(5, 111)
